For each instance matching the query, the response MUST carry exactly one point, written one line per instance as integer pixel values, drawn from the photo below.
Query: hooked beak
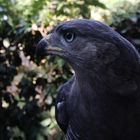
(44, 48)
(47, 47)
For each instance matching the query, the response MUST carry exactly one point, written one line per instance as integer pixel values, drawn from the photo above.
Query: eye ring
(69, 37)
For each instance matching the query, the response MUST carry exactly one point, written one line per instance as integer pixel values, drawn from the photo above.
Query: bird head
(77, 41)
(91, 48)
(72, 42)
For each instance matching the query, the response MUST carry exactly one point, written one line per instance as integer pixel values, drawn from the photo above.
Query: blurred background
(28, 91)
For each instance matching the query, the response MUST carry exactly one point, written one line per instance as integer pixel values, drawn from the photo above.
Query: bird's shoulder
(64, 90)
(60, 106)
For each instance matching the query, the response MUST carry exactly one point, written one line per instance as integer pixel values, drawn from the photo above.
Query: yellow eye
(69, 36)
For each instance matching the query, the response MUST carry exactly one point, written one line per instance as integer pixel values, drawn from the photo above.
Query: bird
(102, 99)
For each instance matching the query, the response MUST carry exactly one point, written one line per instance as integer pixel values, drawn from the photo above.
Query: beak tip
(41, 47)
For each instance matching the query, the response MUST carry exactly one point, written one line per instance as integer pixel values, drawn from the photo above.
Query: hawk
(102, 99)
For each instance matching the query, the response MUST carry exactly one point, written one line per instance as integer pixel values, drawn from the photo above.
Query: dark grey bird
(102, 100)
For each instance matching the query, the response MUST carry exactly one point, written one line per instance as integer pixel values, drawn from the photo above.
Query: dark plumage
(61, 111)
(102, 100)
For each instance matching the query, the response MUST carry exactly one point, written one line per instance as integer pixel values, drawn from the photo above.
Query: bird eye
(69, 36)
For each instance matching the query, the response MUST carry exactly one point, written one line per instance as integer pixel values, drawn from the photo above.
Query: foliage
(28, 91)
(129, 27)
